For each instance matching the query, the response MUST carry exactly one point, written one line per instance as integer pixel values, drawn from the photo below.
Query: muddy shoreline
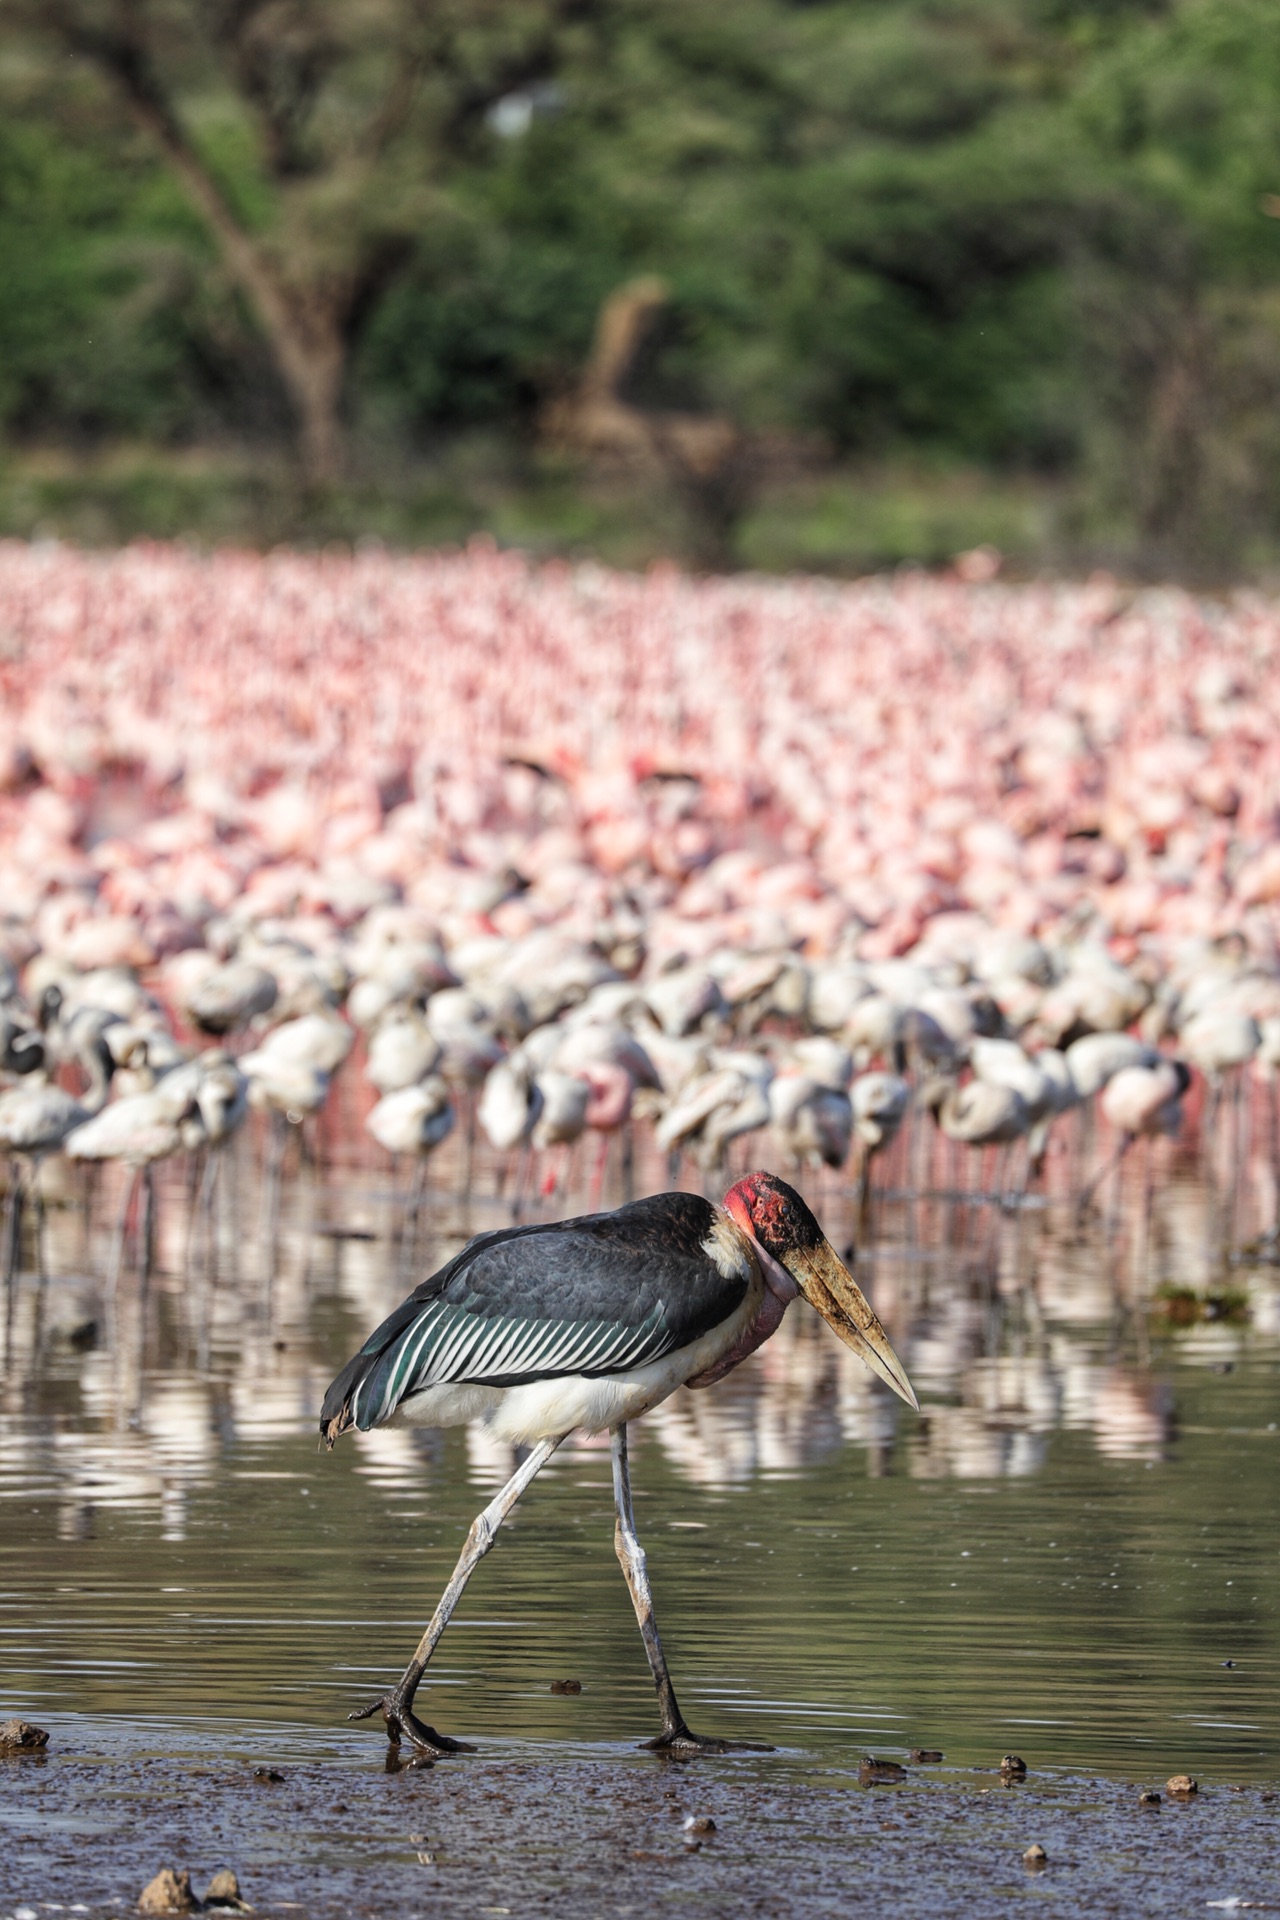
(513, 1829)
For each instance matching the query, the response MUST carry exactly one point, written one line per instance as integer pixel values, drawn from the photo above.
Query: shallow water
(1072, 1552)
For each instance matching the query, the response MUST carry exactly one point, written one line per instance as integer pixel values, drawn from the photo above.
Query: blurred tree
(309, 135)
(1039, 235)
(1176, 277)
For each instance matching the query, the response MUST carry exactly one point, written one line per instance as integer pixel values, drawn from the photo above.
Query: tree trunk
(306, 335)
(312, 362)
(307, 345)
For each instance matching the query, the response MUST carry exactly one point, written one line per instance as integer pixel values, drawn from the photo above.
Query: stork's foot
(682, 1743)
(404, 1724)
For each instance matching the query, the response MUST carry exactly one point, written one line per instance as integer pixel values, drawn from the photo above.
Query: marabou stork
(584, 1325)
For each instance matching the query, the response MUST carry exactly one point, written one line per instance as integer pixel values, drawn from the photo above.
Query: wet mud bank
(85, 1826)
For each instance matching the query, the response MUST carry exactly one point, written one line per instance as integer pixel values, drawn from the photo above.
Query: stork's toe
(404, 1724)
(685, 1744)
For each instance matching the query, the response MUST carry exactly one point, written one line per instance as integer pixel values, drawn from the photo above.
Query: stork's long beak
(828, 1285)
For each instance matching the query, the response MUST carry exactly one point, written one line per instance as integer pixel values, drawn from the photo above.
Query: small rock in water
(20, 1736)
(224, 1891)
(1035, 1856)
(1013, 1767)
(926, 1756)
(267, 1776)
(169, 1892)
(1149, 1798)
(699, 1823)
(566, 1686)
(879, 1773)
(1182, 1786)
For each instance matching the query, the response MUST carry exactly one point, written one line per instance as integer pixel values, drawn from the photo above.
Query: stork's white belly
(540, 1409)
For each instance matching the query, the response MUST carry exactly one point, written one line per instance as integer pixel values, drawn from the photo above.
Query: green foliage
(111, 321)
(1030, 234)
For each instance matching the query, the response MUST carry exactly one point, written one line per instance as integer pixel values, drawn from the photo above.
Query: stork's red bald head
(773, 1213)
(784, 1229)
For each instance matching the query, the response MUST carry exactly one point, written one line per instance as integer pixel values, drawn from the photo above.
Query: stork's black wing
(600, 1294)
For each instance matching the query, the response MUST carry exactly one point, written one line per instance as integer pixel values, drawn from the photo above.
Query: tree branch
(297, 333)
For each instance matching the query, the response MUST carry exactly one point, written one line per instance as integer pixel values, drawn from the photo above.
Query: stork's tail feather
(336, 1414)
(339, 1414)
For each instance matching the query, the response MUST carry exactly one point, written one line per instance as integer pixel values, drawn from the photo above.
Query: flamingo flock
(558, 854)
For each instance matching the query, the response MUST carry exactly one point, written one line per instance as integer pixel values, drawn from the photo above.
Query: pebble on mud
(224, 1891)
(926, 1756)
(20, 1736)
(1013, 1767)
(566, 1686)
(879, 1773)
(1035, 1856)
(169, 1892)
(1181, 1786)
(1149, 1798)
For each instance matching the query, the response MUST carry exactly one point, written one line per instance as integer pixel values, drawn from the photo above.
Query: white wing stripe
(561, 1339)
(452, 1355)
(487, 1353)
(404, 1373)
(447, 1343)
(598, 1348)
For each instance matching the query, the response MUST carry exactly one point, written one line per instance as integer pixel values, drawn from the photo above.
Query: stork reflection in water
(541, 1331)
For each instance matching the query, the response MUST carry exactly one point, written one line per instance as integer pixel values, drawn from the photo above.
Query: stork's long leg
(396, 1707)
(676, 1736)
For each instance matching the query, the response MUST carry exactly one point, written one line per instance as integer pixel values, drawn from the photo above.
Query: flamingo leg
(116, 1263)
(409, 1229)
(147, 1251)
(1109, 1165)
(676, 1736)
(396, 1707)
(37, 1210)
(1148, 1203)
(13, 1222)
(42, 1269)
(198, 1176)
(469, 1160)
(520, 1187)
(12, 1234)
(864, 1190)
(596, 1190)
(277, 1135)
